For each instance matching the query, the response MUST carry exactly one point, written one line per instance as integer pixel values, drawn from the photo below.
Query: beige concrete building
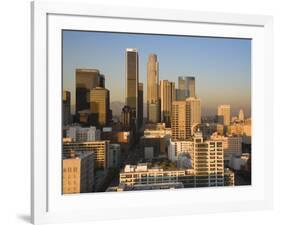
(78, 172)
(224, 114)
(167, 96)
(186, 116)
(100, 148)
(181, 120)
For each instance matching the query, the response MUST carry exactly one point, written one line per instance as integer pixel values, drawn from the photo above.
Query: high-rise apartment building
(132, 81)
(100, 149)
(86, 79)
(181, 120)
(167, 96)
(99, 106)
(153, 89)
(78, 172)
(140, 105)
(208, 162)
(66, 107)
(224, 114)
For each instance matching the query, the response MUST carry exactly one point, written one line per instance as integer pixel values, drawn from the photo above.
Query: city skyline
(175, 146)
(106, 52)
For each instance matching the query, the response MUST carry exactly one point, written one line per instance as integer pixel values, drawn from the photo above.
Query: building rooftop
(87, 70)
(131, 50)
(148, 167)
(71, 154)
(140, 187)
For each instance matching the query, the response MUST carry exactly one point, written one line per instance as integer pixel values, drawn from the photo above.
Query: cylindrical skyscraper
(153, 104)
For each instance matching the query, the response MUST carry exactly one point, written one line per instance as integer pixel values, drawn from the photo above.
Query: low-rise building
(78, 172)
(142, 174)
(81, 134)
(142, 187)
(100, 148)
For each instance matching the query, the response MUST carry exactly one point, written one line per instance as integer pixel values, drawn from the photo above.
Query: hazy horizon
(221, 66)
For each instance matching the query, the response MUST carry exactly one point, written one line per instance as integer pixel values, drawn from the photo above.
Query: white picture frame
(47, 203)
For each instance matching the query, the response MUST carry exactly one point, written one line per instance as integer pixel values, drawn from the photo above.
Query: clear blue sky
(221, 66)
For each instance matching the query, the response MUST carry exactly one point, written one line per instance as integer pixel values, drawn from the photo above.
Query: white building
(224, 114)
(142, 174)
(81, 134)
(177, 148)
(113, 156)
(232, 145)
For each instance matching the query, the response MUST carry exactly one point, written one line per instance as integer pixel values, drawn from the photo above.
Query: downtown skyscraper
(86, 80)
(186, 88)
(132, 81)
(195, 112)
(66, 107)
(140, 104)
(167, 96)
(153, 102)
(99, 106)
